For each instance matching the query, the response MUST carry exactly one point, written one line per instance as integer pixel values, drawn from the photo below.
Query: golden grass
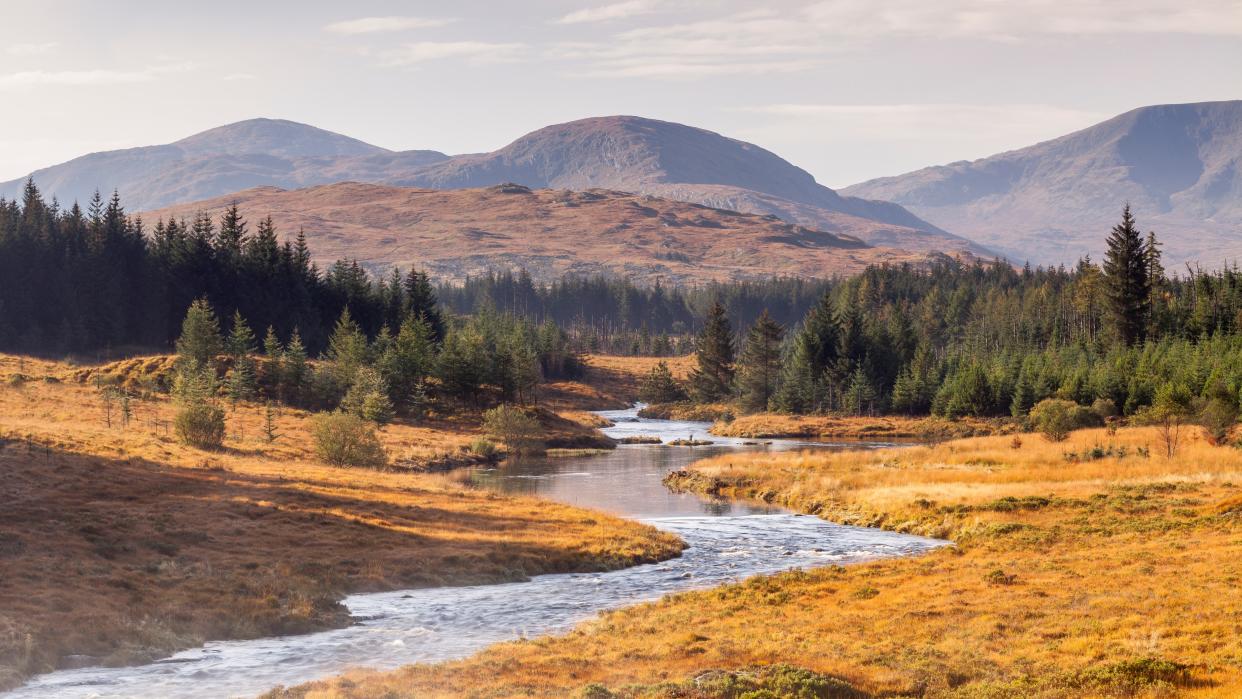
(776, 425)
(610, 382)
(121, 544)
(1109, 577)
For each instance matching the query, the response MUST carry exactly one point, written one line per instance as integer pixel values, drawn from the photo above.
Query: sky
(846, 89)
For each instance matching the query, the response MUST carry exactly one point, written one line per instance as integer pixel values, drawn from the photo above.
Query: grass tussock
(1114, 577)
(121, 544)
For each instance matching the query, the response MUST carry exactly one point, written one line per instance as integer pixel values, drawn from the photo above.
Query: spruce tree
(368, 397)
(408, 360)
(1126, 269)
(347, 348)
(420, 298)
(200, 341)
(759, 368)
(296, 368)
(241, 338)
(659, 386)
(712, 380)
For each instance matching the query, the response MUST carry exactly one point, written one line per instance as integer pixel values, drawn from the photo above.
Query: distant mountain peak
(1178, 165)
(278, 137)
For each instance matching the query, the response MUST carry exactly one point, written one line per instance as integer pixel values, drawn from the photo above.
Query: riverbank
(879, 428)
(119, 544)
(1078, 571)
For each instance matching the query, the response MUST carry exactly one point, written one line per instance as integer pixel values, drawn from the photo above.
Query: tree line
(98, 280)
(986, 339)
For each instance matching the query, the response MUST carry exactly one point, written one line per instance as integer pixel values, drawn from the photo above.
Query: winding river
(726, 541)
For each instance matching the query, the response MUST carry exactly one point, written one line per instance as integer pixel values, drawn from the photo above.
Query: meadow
(119, 544)
(1093, 567)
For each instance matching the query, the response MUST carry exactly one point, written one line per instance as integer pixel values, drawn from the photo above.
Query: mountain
(685, 163)
(220, 160)
(1178, 165)
(459, 232)
(622, 153)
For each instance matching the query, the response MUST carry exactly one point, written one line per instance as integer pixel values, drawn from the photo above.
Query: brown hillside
(454, 233)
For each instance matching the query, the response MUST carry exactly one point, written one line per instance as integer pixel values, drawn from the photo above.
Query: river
(727, 542)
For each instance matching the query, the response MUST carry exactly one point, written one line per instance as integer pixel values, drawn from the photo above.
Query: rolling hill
(1179, 166)
(622, 153)
(221, 160)
(459, 232)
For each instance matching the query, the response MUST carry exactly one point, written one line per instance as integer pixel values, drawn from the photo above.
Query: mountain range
(453, 233)
(1178, 165)
(633, 154)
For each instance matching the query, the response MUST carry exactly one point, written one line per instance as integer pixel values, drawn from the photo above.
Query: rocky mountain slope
(459, 232)
(631, 154)
(1179, 166)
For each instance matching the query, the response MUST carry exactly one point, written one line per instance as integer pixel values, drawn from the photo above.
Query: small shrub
(1104, 408)
(484, 448)
(1217, 418)
(1015, 443)
(200, 424)
(595, 690)
(1056, 418)
(1000, 577)
(515, 427)
(343, 439)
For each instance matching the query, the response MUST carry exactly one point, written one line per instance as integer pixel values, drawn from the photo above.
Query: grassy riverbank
(1078, 572)
(880, 428)
(118, 544)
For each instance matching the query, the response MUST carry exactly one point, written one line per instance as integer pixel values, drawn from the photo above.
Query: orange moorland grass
(610, 382)
(776, 425)
(1094, 575)
(121, 544)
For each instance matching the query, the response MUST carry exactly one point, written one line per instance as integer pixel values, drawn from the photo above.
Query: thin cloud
(374, 25)
(755, 41)
(32, 49)
(605, 13)
(1004, 21)
(473, 51)
(87, 78)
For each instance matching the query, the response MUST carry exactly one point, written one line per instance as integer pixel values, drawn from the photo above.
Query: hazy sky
(847, 89)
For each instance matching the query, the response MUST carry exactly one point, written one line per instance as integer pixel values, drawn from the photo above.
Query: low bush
(343, 439)
(515, 427)
(200, 424)
(484, 448)
(1056, 418)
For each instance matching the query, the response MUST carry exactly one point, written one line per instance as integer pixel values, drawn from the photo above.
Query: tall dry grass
(119, 543)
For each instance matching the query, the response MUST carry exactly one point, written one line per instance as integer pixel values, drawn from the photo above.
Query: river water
(727, 542)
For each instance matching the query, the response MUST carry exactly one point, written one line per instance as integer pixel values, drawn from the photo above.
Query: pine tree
(408, 359)
(1126, 269)
(240, 382)
(860, 393)
(759, 368)
(659, 386)
(296, 368)
(347, 348)
(421, 300)
(712, 380)
(368, 398)
(1155, 280)
(200, 341)
(241, 338)
(271, 344)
